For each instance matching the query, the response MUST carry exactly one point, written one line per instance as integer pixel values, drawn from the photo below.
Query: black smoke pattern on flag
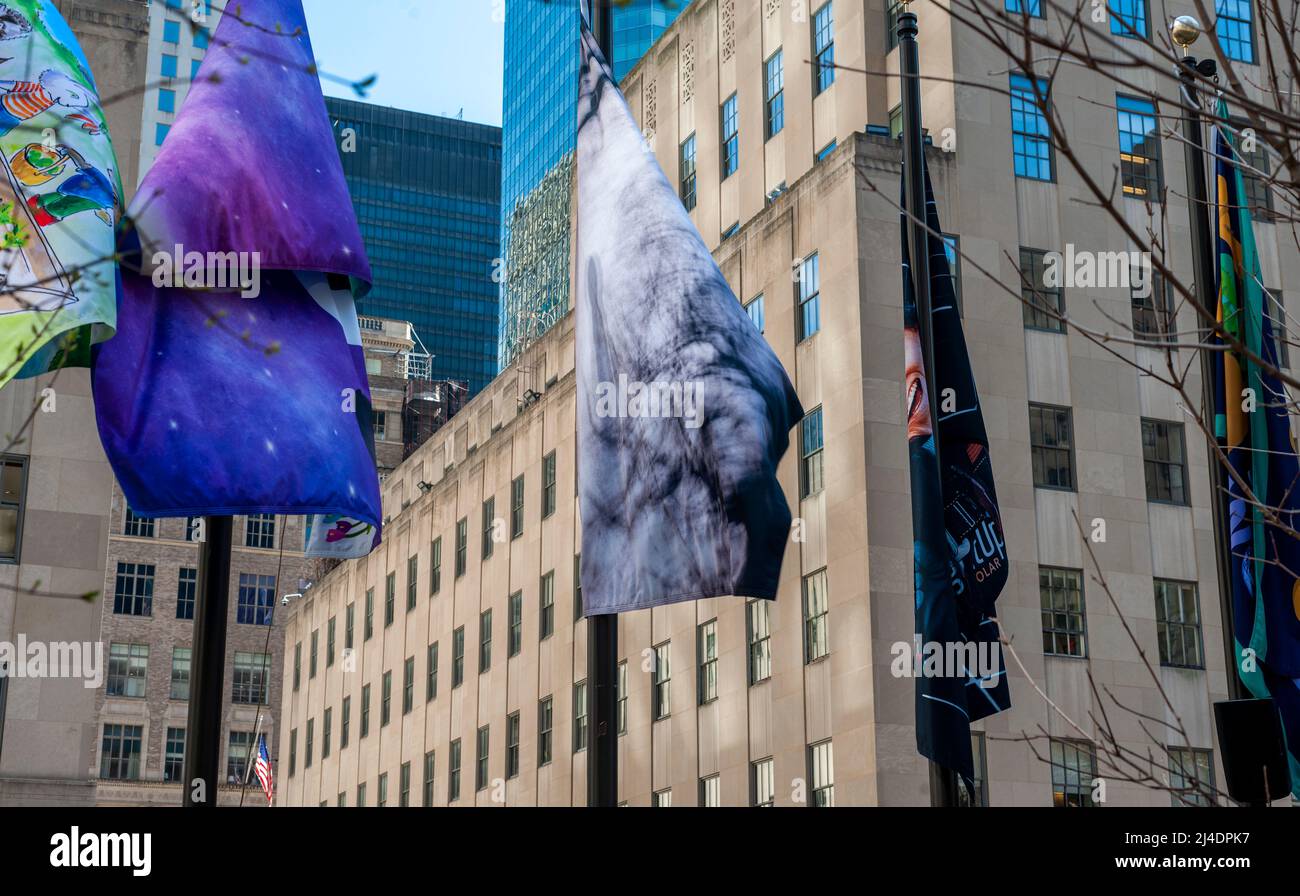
(959, 549)
(672, 509)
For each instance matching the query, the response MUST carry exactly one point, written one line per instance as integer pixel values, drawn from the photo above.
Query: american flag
(263, 768)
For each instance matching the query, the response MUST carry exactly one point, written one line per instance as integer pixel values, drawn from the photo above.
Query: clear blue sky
(433, 56)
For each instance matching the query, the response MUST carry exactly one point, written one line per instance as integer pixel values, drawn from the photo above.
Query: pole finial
(1185, 30)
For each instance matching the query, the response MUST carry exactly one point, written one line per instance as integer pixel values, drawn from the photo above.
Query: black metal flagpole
(201, 781)
(602, 630)
(943, 781)
(1185, 31)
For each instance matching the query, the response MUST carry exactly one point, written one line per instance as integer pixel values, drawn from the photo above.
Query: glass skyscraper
(539, 121)
(427, 193)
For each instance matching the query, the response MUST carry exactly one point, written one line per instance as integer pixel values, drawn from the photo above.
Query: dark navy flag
(683, 409)
(960, 553)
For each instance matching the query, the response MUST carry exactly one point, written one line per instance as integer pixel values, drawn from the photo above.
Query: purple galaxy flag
(236, 383)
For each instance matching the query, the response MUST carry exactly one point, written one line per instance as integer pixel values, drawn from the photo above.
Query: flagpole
(943, 781)
(207, 674)
(1185, 31)
(602, 629)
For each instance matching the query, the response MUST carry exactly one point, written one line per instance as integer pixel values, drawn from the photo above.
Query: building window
(620, 696)
(349, 626)
(187, 584)
(1178, 624)
(579, 717)
(686, 169)
(711, 792)
(160, 132)
(773, 96)
(512, 745)
(547, 603)
(457, 657)
(1277, 321)
(174, 758)
(383, 791)
(755, 311)
(577, 587)
(128, 669)
(489, 514)
(823, 50)
(180, 686)
(13, 488)
(1153, 312)
(1060, 592)
(1074, 768)
(515, 635)
(408, 685)
(730, 138)
(297, 666)
(237, 754)
(1051, 446)
(826, 150)
(758, 634)
(370, 614)
(484, 641)
(517, 507)
(1043, 305)
(762, 783)
(137, 526)
(365, 710)
(293, 752)
(548, 485)
(381, 423)
(168, 69)
(329, 642)
(663, 681)
(428, 780)
(435, 566)
(1032, 8)
(412, 581)
(1139, 147)
(166, 100)
(1128, 18)
(431, 676)
(256, 599)
(1165, 461)
(201, 38)
(809, 295)
(816, 617)
(1191, 777)
(706, 648)
(1031, 143)
(663, 799)
(133, 590)
(811, 441)
(251, 678)
(896, 120)
(462, 545)
(315, 642)
(980, 754)
(361, 796)
(171, 32)
(119, 752)
(259, 530)
(386, 699)
(404, 785)
(390, 597)
(345, 722)
(821, 772)
(545, 724)
(730, 231)
(1235, 30)
(481, 760)
(892, 9)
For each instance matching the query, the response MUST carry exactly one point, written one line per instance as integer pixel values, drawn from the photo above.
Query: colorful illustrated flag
(960, 552)
(684, 411)
(236, 382)
(59, 197)
(1252, 426)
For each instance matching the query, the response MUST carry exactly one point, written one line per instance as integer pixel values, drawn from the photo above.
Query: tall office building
(427, 194)
(538, 127)
(472, 690)
(55, 491)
